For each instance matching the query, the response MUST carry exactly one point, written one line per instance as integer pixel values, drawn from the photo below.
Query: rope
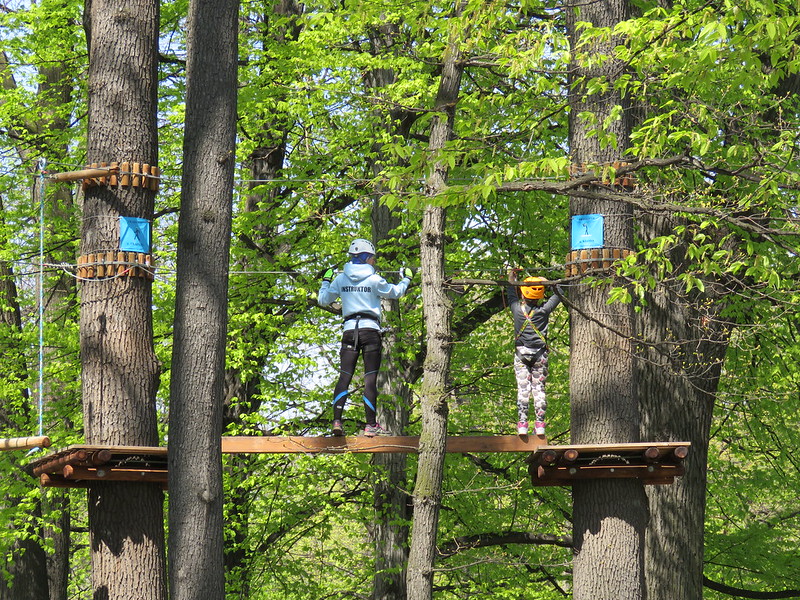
(42, 165)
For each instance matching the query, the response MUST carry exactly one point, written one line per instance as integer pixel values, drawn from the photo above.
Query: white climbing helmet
(360, 245)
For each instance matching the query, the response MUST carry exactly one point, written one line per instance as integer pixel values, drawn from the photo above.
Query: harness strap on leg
(341, 395)
(368, 403)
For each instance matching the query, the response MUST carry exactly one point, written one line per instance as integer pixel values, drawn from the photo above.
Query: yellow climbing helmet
(533, 292)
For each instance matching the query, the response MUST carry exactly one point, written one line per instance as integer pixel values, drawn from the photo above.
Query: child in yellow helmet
(531, 316)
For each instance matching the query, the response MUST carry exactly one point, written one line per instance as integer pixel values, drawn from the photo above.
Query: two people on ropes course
(361, 290)
(531, 315)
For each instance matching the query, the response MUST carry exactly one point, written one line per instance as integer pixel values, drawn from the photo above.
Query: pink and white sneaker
(373, 430)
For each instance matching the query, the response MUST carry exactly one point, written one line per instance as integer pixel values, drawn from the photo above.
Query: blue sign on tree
(587, 231)
(134, 235)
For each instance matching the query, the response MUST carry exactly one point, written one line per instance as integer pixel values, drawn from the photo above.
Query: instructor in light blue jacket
(360, 289)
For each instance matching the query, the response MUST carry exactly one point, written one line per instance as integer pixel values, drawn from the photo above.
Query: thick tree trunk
(678, 369)
(390, 531)
(196, 565)
(438, 312)
(610, 516)
(681, 360)
(120, 370)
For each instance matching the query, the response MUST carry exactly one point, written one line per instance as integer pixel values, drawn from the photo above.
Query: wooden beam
(649, 451)
(637, 447)
(57, 481)
(648, 474)
(24, 443)
(376, 445)
(84, 173)
(116, 474)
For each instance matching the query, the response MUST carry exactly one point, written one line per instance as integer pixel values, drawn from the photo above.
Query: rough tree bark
(59, 207)
(610, 516)
(438, 312)
(120, 370)
(389, 533)
(678, 368)
(196, 565)
(678, 377)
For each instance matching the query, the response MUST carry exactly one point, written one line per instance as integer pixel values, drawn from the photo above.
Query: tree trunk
(438, 312)
(390, 531)
(610, 516)
(120, 370)
(54, 92)
(196, 565)
(685, 343)
(57, 314)
(678, 369)
(25, 574)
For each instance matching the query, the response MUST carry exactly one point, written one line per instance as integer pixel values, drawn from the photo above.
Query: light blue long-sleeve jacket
(361, 289)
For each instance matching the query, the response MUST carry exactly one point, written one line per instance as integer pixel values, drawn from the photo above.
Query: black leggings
(367, 342)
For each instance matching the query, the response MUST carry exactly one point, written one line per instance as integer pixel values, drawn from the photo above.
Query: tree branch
(484, 540)
(742, 593)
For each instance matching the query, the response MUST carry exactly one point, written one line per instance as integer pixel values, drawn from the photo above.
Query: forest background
(334, 116)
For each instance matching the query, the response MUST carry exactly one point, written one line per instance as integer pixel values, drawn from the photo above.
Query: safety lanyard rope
(529, 321)
(41, 295)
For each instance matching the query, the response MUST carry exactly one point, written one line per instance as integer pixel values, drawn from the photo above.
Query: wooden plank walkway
(377, 445)
(653, 462)
(78, 464)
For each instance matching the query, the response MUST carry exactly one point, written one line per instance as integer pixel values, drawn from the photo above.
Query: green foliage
(752, 463)
(711, 84)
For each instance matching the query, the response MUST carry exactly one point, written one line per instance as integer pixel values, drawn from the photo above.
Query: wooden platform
(77, 465)
(652, 462)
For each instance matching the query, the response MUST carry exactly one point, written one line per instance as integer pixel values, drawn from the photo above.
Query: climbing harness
(358, 316)
(529, 321)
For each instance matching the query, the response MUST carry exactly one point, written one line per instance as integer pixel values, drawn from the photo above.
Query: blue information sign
(134, 235)
(587, 231)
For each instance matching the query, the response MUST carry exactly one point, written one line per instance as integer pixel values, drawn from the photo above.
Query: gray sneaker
(373, 430)
(337, 428)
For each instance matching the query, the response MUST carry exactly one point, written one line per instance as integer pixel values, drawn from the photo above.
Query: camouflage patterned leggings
(530, 384)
